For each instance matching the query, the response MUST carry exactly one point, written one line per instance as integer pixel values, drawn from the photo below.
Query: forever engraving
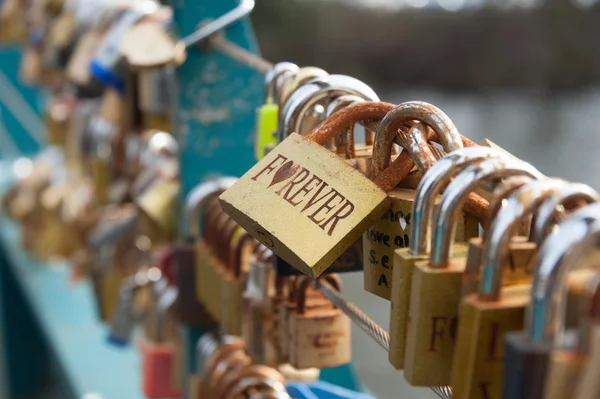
(322, 204)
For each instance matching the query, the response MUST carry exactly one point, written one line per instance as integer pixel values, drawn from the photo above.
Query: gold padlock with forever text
(329, 204)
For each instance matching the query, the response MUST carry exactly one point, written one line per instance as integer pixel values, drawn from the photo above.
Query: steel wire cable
(369, 326)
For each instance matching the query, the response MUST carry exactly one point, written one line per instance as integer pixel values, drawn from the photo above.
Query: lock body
(404, 264)
(191, 311)
(159, 366)
(524, 362)
(477, 370)
(564, 372)
(207, 280)
(432, 322)
(320, 194)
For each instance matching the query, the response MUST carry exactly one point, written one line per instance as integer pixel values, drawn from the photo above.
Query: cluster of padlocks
(488, 265)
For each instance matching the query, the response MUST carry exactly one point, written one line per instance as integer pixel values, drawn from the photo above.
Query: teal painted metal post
(215, 122)
(215, 115)
(21, 125)
(217, 99)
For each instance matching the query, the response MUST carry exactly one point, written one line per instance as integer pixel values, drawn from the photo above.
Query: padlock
(123, 318)
(158, 210)
(148, 44)
(192, 311)
(161, 353)
(225, 360)
(568, 360)
(391, 231)
(107, 64)
(330, 209)
(13, 30)
(77, 70)
(31, 69)
(486, 316)
(115, 224)
(319, 337)
(521, 251)
(527, 353)
(352, 259)
(301, 76)
(218, 237)
(57, 117)
(257, 319)
(588, 386)
(206, 279)
(417, 250)
(53, 235)
(268, 114)
(314, 299)
(156, 97)
(436, 284)
(60, 37)
(232, 290)
(252, 381)
(222, 244)
(280, 295)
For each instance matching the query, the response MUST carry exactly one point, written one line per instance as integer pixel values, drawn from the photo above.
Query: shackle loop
(273, 78)
(568, 195)
(197, 200)
(505, 189)
(523, 203)
(456, 193)
(401, 118)
(320, 90)
(563, 249)
(431, 185)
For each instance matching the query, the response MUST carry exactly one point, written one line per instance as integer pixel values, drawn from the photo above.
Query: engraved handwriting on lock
(325, 207)
(381, 237)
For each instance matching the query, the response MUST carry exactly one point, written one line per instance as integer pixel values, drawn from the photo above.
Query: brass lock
(148, 44)
(288, 307)
(257, 319)
(12, 16)
(156, 97)
(232, 290)
(192, 311)
(391, 231)
(158, 210)
(319, 337)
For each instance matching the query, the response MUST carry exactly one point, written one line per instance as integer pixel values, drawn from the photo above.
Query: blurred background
(522, 73)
